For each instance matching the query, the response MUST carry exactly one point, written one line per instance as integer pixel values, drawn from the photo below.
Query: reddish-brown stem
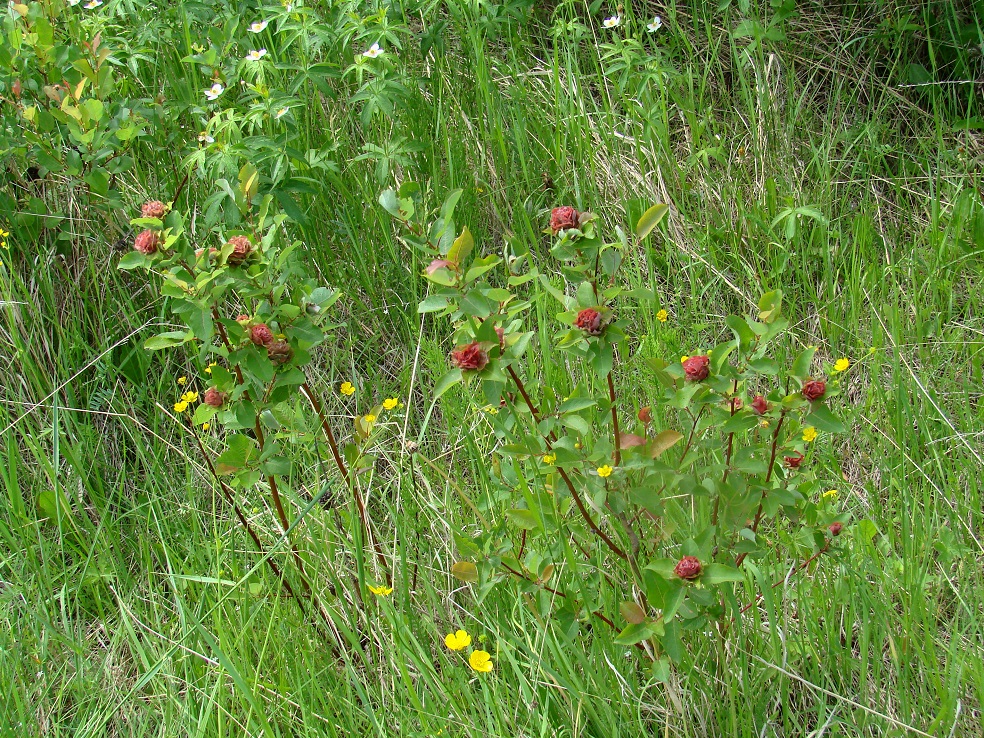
(563, 474)
(768, 478)
(522, 544)
(230, 499)
(797, 570)
(618, 436)
(177, 192)
(727, 466)
(350, 481)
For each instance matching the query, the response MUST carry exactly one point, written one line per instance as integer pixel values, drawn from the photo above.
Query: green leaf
(167, 340)
(391, 203)
(575, 404)
(446, 382)
(663, 441)
(466, 571)
(770, 305)
(745, 335)
(720, 573)
(649, 220)
(132, 260)
(826, 421)
(203, 414)
(523, 519)
(432, 304)
(636, 633)
(236, 456)
(739, 422)
(461, 247)
(801, 367)
(632, 612)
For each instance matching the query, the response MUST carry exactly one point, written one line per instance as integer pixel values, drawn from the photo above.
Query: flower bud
(814, 389)
(260, 334)
(760, 405)
(147, 242)
(589, 321)
(688, 567)
(213, 397)
(469, 357)
(501, 333)
(793, 462)
(280, 352)
(241, 249)
(16, 88)
(646, 415)
(835, 529)
(563, 218)
(697, 368)
(153, 209)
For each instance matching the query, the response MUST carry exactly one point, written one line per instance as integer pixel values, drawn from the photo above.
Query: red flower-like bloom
(793, 462)
(260, 334)
(213, 397)
(147, 242)
(697, 368)
(835, 529)
(469, 357)
(646, 415)
(689, 567)
(241, 249)
(563, 218)
(153, 209)
(760, 405)
(589, 321)
(814, 389)
(280, 352)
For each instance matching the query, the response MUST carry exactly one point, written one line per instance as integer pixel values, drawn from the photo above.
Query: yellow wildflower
(189, 397)
(457, 640)
(662, 316)
(810, 434)
(180, 407)
(604, 471)
(381, 591)
(491, 410)
(683, 359)
(480, 661)
(205, 426)
(182, 381)
(390, 403)
(369, 418)
(841, 365)
(550, 458)
(831, 493)
(208, 369)
(347, 388)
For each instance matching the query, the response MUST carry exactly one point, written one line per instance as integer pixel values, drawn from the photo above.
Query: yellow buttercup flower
(457, 640)
(189, 397)
(662, 316)
(550, 458)
(347, 388)
(841, 365)
(180, 407)
(381, 591)
(491, 410)
(831, 493)
(205, 426)
(369, 418)
(683, 359)
(480, 661)
(208, 369)
(810, 434)
(390, 403)
(604, 471)
(182, 381)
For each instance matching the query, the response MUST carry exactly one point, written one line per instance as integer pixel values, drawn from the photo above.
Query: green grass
(131, 604)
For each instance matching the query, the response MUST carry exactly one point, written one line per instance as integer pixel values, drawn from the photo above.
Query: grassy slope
(110, 622)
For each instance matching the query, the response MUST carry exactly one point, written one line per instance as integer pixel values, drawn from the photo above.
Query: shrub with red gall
(646, 415)
(735, 404)
(470, 357)
(213, 397)
(563, 218)
(760, 405)
(153, 209)
(814, 389)
(697, 368)
(688, 567)
(793, 462)
(589, 321)
(279, 352)
(260, 334)
(835, 529)
(147, 242)
(241, 249)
